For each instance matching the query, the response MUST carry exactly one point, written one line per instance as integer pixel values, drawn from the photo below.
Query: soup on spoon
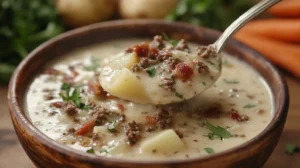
(160, 72)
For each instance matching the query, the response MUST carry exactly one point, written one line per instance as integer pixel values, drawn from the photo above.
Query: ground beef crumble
(163, 118)
(168, 83)
(132, 131)
(206, 51)
(202, 68)
(182, 45)
(69, 108)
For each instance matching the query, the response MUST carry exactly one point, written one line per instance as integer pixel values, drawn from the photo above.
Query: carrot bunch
(277, 38)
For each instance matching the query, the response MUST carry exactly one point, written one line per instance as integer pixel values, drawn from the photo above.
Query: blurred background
(25, 24)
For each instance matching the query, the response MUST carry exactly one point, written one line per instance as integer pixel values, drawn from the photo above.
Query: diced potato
(124, 61)
(124, 84)
(99, 129)
(165, 142)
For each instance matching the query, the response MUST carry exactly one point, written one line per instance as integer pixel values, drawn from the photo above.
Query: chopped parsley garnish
(204, 83)
(91, 151)
(227, 63)
(73, 97)
(228, 81)
(211, 63)
(93, 66)
(217, 132)
(249, 106)
(112, 127)
(179, 95)
(209, 150)
(103, 150)
(174, 42)
(151, 71)
(291, 149)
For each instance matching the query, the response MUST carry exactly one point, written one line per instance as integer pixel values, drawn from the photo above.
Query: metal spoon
(241, 21)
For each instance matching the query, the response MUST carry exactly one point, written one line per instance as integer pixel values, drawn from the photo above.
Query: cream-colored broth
(238, 87)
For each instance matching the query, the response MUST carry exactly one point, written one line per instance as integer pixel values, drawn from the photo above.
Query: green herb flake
(204, 83)
(112, 127)
(228, 81)
(91, 151)
(93, 66)
(209, 150)
(73, 97)
(174, 42)
(151, 72)
(291, 149)
(217, 131)
(226, 63)
(179, 95)
(249, 106)
(103, 150)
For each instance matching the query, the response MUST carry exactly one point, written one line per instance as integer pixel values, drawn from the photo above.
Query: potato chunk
(165, 142)
(124, 61)
(124, 84)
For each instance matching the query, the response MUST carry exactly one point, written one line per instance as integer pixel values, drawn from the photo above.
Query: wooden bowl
(45, 152)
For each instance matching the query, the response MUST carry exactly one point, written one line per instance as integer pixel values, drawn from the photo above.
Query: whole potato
(156, 9)
(76, 13)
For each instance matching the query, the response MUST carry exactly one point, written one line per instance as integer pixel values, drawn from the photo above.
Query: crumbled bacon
(236, 116)
(95, 87)
(57, 104)
(183, 71)
(141, 50)
(121, 107)
(150, 120)
(52, 71)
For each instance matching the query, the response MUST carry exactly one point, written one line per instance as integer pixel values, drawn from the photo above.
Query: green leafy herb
(204, 83)
(217, 131)
(73, 97)
(112, 127)
(209, 150)
(227, 63)
(24, 25)
(249, 106)
(91, 151)
(93, 66)
(216, 14)
(151, 71)
(211, 63)
(291, 149)
(228, 81)
(174, 42)
(103, 150)
(179, 95)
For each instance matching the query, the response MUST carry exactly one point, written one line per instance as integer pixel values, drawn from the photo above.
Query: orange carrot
(85, 127)
(283, 54)
(287, 8)
(280, 29)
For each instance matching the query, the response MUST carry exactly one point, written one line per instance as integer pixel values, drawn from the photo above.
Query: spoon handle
(242, 20)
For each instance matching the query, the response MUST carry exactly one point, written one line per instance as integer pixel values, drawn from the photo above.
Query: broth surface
(239, 102)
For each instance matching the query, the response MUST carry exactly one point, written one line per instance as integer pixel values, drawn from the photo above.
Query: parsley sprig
(73, 97)
(174, 42)
(217, 132)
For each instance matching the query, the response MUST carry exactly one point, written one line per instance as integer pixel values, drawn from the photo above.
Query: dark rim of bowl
(15, 102)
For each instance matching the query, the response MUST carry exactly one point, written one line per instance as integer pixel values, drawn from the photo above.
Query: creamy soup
(67, 103)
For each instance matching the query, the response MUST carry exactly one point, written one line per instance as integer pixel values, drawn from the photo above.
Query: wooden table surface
(13, 156)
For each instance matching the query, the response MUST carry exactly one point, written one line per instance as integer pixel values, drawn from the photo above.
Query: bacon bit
(57, 104)
(153, 53)
(85, 128)
(52, 71)
(74, 72)
(184, 71)
(95, 87)
(141, 50)
(69, 80)
(121, 107)
(236, 116)
(213, 111)
(151, 120)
